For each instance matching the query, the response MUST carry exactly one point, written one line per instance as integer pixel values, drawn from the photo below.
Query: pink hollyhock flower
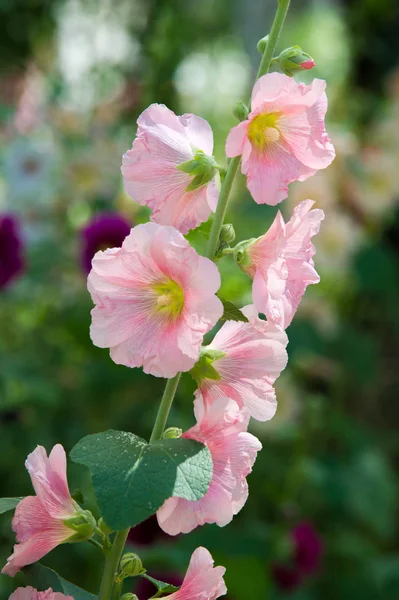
(242, 363)
(203, 581)
(40, 521)
(151, 170)
(222, 428)
(29, 593)
(284, 139)
(280, 263)
(155, 299)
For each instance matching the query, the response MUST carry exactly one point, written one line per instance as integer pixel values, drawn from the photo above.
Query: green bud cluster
(172, 433)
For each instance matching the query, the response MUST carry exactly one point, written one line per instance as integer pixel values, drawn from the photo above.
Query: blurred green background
(75, 74)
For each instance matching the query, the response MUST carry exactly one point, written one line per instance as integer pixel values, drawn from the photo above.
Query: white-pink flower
(281, 264)
(155, 299)
(39, 520)
(203, 581)
(242, 362)
(150, 169)
(284, 138)
(30, 593)
(222, 427)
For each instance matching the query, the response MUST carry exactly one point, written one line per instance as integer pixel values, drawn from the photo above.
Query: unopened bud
(129, 596)
(172, 433)
(294, 59)
(131, 565)
(227, 234)
(262, 44)
(241, 111)
(83, 524)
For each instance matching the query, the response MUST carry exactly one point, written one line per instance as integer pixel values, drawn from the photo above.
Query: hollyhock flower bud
(227, 234)
(222, 427)
(172, 433)
(284, 139)
(292, 60)
(242, 362)
(152, 307)
(129, 596)
(241, 111)
(280, 263)
(203, 581)
(41, 521)
(170, 168)
(11, 250)
(131, 565)
(30, 593)
(107, 230)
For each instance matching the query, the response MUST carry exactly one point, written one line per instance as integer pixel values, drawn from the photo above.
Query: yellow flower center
(169, 298)
(263, 130)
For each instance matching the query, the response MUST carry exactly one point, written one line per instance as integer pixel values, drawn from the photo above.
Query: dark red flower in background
(11, 250)
(305, 560)
(107, 230)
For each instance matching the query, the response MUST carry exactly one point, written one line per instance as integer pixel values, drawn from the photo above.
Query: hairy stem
(164, 408)
(114, 556)
(111, 565)
(282, 9)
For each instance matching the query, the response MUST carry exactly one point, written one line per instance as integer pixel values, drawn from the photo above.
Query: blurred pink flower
(284, 138)
(203, 581)
(39, 520)
(155, 300)
(222, 428)
(242, 362)
(164, 142)
(29, 593)
(281, 264)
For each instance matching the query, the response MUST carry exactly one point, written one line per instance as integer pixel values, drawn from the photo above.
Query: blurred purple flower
(11, 250)
(107, 230)
(309, 548)
(306, 558)
(148, 532)
(145, 589)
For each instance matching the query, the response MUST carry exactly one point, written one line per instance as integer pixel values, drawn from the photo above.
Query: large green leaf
(43, 578)
(132, 478)
(7, 504)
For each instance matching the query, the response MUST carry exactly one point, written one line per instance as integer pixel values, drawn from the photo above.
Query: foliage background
(75, 74)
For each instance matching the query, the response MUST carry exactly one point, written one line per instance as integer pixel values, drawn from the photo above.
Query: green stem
(116, 594)
(111, 565)
(283, 6)
(164, 407)
(222, 207)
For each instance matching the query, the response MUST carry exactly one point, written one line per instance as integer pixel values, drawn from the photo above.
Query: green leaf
(42, 577)
(162, 587)
(7, 504)
(232, 312)
(132, 478)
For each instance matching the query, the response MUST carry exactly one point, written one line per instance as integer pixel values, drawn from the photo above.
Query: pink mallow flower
(40, 522)
(155, 299)
(242, 362)
(223, 429)
(280, 263)
(155, 174)
(203, 581)
(29, 593)
(284, 139)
